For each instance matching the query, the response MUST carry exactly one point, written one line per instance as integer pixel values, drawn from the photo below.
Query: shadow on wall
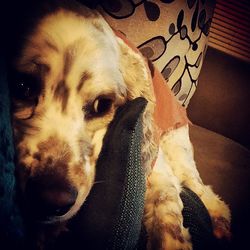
(222, 100)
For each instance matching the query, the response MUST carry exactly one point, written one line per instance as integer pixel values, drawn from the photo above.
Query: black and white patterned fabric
(171, 33)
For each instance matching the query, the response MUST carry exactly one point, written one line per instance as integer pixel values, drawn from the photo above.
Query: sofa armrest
(225, 165)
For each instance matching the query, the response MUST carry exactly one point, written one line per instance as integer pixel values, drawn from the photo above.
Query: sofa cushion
(173, 34)
(225, 165)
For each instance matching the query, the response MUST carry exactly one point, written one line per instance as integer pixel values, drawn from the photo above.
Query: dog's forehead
(65, 36)
(63, 28)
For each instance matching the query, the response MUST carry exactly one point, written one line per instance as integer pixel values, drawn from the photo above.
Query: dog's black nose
(49, 196)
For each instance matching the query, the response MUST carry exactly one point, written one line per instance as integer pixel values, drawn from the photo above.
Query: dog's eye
(102, 105)
(24, 87)
(99, 107)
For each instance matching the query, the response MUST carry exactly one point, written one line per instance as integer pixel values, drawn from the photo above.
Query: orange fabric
(168, 114)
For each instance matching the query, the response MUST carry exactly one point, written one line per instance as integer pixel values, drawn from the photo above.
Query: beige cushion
(171, 33)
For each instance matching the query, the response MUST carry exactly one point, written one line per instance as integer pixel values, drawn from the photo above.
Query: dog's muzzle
(49, 195)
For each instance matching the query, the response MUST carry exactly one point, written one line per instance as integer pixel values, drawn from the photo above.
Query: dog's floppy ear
(137, 77)
(134, 70)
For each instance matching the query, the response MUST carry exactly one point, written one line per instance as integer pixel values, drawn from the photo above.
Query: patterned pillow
(171, 33)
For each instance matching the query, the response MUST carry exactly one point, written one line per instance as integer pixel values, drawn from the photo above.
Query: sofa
(224, 164)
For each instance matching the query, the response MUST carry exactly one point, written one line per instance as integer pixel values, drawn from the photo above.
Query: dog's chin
(52, 220)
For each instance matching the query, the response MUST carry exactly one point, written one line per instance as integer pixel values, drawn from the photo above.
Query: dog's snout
(49, 196)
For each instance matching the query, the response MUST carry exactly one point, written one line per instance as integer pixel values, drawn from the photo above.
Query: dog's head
(67, 77)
